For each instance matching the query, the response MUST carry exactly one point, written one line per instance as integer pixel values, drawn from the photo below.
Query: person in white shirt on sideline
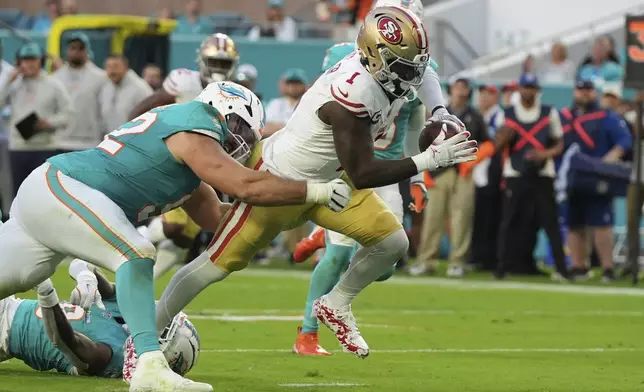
(29, 90)
(293, 86)
(124, 91)
(277, 25)
(560, 69)
(83, 81)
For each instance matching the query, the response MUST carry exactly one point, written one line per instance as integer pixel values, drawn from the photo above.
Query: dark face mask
(241, 138)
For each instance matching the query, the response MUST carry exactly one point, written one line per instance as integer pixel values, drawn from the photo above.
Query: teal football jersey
(391, 145)
(28, 340)
(133, 166)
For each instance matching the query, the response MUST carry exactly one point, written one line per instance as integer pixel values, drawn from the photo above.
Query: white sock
(368, 264)
(184, 286)
(168, 255)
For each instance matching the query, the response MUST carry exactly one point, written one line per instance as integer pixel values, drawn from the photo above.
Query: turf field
(426, 335)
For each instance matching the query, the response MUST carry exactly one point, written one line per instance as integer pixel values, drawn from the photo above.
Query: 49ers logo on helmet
(390, 30)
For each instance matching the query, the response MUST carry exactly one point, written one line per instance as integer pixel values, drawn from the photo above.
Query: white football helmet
(180, 344)
(414, 6)
(244, 114)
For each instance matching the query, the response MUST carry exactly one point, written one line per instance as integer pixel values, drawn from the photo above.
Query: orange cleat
(308, 344)
(305, 248)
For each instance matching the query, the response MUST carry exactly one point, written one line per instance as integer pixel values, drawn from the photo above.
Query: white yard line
(252, 319)
(598, 350)
(296, 314)
(471, 284)
(320, 384)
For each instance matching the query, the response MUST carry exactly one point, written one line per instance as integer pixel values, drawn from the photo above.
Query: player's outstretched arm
(158, 98)
(205, 208)
(210, 162)
(88, 357)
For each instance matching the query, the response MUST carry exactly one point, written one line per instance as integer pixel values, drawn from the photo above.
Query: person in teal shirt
(193, 22)
(97, 337)
(339, 251)
(47, 334)
(87, 204)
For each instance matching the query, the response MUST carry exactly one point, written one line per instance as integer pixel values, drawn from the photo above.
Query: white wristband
(318, 193)
(48, 300)
(423, 163)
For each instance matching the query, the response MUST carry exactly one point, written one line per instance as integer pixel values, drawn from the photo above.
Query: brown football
(434, 132)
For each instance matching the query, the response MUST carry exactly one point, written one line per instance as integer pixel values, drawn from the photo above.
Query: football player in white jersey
(217, 58)
(174, 232)
(330, 135)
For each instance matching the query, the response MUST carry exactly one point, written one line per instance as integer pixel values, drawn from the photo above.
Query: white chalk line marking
(598, 350)
(252, 319)
(320, 384)
(296, 314)
(471, 284)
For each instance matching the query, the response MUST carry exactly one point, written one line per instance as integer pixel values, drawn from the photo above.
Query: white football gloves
(443, 115)
(334, 194)
(86, 293)
(457, 149)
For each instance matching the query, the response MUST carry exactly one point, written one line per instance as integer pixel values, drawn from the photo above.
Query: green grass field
(425, 334)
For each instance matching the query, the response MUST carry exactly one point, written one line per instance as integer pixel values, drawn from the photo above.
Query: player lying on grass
(87, 205)
(48, 334)
(331, 135)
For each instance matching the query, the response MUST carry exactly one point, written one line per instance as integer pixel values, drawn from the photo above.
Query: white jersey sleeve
(353, 89)
(183, 83)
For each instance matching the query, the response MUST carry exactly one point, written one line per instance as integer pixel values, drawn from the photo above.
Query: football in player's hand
(436, 132)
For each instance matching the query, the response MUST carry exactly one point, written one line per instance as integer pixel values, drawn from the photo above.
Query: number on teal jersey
(134, 167)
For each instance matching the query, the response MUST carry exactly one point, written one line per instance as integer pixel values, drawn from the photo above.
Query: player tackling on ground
(86, 204)
(332, 132)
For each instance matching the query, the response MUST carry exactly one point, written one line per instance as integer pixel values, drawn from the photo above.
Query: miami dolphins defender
(331, 135)
(48, 334)
(401, 139)
(87, 204)
(174, 232)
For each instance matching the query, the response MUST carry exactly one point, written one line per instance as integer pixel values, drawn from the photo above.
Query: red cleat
(308, 344)
(305, 248)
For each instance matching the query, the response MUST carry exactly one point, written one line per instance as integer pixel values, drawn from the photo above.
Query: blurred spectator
(69, 7)
(83, 81)
(165, 13)
(602, 65)
(40, 106)
(560, 69)
(277, 25)
(193, 22)
(43, 21)
(153, 76)
(246, 75)
(529, 65)
(612, 97)
(279, 110)
(452, 194)
(533, 135)
(603, 135)
(6, 70)
(507, 92)
(121, 93)
(487, 180)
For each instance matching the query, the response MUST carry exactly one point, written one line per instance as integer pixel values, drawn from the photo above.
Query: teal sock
(325, 276)
(384, 276)
(135, 297)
